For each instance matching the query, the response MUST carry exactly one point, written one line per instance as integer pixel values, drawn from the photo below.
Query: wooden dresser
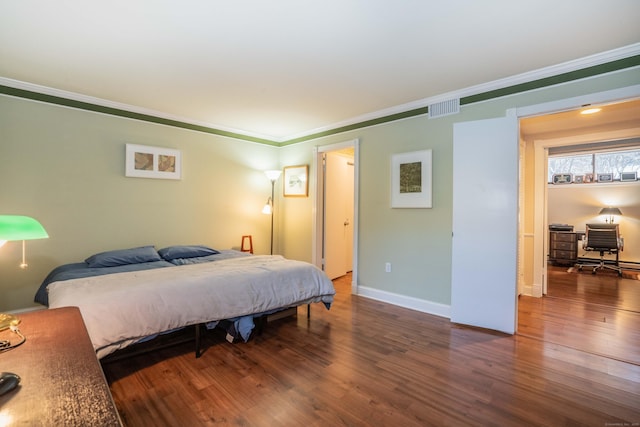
(563, 247)
(62, 383)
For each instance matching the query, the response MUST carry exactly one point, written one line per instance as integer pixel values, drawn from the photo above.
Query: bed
(132, 295)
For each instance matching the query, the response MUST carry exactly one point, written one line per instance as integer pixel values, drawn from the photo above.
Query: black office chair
(603, 238)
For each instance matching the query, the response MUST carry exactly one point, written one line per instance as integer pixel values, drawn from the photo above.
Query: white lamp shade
(273, 174)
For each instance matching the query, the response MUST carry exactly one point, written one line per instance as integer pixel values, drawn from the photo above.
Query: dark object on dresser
(8, 381)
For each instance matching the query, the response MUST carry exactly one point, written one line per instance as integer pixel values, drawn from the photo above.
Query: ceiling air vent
(444, 108)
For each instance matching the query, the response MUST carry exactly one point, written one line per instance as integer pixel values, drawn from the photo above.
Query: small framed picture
(411, 179)
(588, 177)
(605, 177)
(152, 162)
(628, 176)
(578, 179)
(296, 182)
(562, 178)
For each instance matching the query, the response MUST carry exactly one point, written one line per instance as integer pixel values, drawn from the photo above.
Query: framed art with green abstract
(411, 176)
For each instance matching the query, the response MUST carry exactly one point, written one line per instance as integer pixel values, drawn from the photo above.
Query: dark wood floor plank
(366, 363)
(603, 322)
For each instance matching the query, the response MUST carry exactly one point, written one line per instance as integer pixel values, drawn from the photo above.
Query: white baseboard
(417, 304)
(536, 290)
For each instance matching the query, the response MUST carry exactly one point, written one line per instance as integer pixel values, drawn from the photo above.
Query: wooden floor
(366, 363)
(598, 314)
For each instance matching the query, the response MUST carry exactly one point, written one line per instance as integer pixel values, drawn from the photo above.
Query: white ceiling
(287, 68)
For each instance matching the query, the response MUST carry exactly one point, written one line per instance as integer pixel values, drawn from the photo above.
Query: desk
(62, 383)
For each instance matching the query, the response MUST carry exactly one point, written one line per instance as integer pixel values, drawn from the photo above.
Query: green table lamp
(18, 227)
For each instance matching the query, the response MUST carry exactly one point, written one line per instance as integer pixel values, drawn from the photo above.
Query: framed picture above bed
(411, 180)
(296, 182)
(143, 161)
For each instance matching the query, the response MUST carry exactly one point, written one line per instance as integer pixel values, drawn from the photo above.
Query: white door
(485, 224)
(338, 215)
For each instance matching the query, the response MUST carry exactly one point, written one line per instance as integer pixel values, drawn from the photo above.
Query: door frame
(318, 204)
(539, 286)
(540, 208)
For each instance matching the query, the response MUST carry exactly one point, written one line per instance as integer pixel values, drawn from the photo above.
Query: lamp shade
(610, 211)
(273, 174)
(18, 227)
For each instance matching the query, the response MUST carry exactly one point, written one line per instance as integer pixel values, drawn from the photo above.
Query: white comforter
(121, 308)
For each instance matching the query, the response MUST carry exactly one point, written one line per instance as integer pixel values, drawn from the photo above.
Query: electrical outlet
(387, 267)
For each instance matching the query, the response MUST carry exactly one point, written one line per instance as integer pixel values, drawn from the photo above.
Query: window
(622, 161)
(594, 163)
(576, 165)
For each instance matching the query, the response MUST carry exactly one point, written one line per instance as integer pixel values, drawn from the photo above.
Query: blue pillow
(186, 251)
(123, 257)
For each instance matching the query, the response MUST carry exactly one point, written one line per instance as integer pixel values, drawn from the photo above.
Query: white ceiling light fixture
(591, 110)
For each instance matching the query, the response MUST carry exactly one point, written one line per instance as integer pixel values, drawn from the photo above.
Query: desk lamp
(610, 212)
(17, 227)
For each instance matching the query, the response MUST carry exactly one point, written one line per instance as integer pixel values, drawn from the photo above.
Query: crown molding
(527, 77)
(410, 109)
(86, 99)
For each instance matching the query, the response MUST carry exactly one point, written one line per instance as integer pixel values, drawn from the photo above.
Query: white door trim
(540, 150)
(318, 208)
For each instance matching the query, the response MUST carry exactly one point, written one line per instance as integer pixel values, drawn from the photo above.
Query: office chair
(603, 238)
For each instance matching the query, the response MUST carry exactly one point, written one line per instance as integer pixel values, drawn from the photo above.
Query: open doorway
(335, 218)
(543, 133)
(597, 314)
(337, 247)
(477, 306)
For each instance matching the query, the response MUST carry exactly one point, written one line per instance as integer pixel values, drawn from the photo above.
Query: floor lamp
(273, 176)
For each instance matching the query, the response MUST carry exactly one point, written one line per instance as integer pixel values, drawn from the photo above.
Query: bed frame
(152, 294)
(192, 334)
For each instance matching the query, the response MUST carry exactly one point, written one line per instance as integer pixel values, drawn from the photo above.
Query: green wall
(66, 168)
(418, 241)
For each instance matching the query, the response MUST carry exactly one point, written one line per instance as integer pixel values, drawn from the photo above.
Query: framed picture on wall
(605, 177)
(296, 182)
(562, 178)
(143, 161)
(411, 178)
(578, 179)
